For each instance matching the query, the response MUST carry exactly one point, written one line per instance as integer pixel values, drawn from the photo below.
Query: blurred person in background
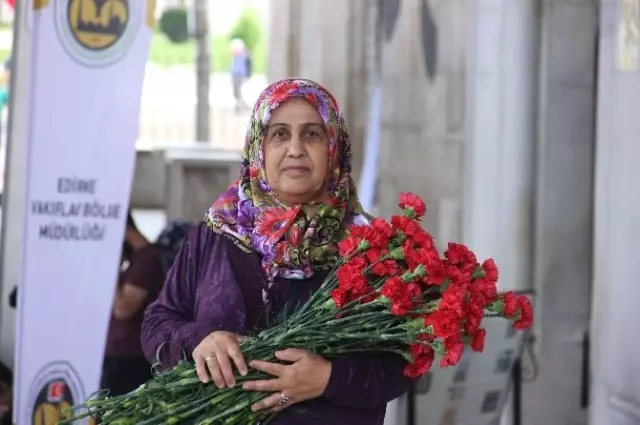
(171, 239)
(240, 71)
(142, 274)
(6, 395)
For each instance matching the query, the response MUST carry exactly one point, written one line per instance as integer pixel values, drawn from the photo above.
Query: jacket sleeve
(366, 380)
(170, 331)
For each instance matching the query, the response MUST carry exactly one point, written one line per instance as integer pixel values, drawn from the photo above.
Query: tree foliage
(248, 28)
(174, 24)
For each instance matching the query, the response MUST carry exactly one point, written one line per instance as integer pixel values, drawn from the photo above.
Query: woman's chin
(297, 194)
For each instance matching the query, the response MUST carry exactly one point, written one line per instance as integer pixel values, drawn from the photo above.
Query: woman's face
(296, 152)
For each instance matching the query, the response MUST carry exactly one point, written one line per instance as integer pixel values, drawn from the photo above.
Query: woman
(240, 71)
(141, 278)
(266, 243)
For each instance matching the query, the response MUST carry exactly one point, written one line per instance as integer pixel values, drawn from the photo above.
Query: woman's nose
(296, 147)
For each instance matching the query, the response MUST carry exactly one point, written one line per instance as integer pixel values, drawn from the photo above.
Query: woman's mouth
(296, 169)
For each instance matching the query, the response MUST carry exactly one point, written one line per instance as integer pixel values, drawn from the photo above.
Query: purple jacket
(214, 285)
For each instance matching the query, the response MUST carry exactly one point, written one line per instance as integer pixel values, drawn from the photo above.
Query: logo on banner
(57, 386)
(98, 33)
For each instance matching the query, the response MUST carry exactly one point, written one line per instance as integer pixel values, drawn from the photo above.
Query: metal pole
(293, 45)
(516, 376)
(411, 405)
(373, 52)
(203, 71)
(15, 180)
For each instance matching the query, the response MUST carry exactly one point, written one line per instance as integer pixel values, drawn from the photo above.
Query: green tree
(248, 28)
(173, 23)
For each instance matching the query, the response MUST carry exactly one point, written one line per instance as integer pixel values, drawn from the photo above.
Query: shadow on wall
(389, 13)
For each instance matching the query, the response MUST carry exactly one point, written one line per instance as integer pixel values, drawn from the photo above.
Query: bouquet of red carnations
(392, 292)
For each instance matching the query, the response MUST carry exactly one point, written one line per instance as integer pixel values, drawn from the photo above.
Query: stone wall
(323, 41)
(423, 116)
(564, 210)
(424, 113)
(489, 115)
(615, 374)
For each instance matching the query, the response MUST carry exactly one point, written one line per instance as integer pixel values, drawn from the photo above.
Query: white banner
(87, 66)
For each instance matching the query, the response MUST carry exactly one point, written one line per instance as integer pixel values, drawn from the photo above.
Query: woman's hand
(305, 378)
(213, 357)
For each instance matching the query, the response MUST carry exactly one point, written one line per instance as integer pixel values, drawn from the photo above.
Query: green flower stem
(357, 317)
(319, 295)
(176, 396)
(175, 416)
(236, 413)
(343, 351)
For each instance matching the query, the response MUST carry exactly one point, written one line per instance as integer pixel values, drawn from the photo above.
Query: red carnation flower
(454, 348)
(526, 313)
(459, 254)
(490, 270)
(348, 246)
(413, 204)
(400, 221)
(340, 297)
(350, 277)
(423, 356)
(400, 295)
(412, 229)
(374, 254)
(445, 322)
(477, 343)
(382, 227)
(424, 240)
(486, 289)
(360, 231)
(510, 304)
(385, 268)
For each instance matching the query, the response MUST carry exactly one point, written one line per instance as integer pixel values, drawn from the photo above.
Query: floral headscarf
(292, 244)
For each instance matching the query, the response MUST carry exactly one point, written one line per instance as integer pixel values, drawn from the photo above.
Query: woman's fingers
(213, 358)
(266, 385)
(273, 369)
(214, 370)
(225, 369)
(276, 401)
(236, 354)
(201, 369)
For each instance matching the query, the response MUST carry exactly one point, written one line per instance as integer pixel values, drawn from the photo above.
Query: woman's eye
(280, 134)
(312, 134)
